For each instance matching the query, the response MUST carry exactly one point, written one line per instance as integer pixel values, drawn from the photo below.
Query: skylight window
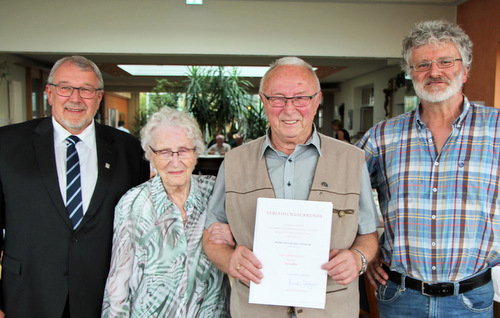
(182, 70)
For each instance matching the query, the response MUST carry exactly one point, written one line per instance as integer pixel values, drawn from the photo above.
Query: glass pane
(35, 105)
(46, 105)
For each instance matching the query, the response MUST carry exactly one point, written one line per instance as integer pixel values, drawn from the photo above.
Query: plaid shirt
(441, 210)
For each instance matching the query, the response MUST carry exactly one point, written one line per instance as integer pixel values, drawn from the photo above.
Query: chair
(368, 303)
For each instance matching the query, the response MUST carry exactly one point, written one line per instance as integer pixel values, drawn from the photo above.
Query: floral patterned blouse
(158, 267)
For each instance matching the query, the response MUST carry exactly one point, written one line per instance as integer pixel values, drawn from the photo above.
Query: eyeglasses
(445, 62)
(297, 101)
(67, 91)
(167, 154)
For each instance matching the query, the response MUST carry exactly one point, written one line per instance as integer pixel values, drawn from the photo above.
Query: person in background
(436, 171)
(231, 141)
(158, 267)
(211, 142)
(339, 132)
(293, 161)
(60, 179)
(121, 126)
(238, 141)
(220, 147)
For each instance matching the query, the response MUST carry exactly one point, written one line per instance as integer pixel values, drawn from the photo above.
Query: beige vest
(337, 179)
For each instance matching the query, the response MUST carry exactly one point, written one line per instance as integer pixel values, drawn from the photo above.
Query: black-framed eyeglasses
(167, 154)
(445, 62)
(297, 101)
(66, 90)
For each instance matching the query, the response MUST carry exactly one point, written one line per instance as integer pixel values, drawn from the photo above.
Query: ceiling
(331, 70)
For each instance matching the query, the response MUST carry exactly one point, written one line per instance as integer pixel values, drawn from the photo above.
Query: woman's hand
(220, 233)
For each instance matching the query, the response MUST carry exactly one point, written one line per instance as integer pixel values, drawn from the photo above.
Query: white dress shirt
(87, 154)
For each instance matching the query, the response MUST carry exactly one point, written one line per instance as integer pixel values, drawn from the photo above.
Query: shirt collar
(458, 122)
(87, 135)
(313, 140)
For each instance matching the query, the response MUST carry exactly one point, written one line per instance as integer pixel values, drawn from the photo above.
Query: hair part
(81, 62)
(288, 60)
(436, 32)
(170, 117)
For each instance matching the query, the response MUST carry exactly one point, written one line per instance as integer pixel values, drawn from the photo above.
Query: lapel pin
(107, 165)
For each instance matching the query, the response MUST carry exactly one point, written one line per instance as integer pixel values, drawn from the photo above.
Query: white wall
(350, 95)
(217, 27)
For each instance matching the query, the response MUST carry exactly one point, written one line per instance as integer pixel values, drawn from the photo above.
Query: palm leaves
(215, 97)
(255, 121)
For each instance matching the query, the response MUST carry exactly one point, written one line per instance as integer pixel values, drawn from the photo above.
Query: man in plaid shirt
(436, 172)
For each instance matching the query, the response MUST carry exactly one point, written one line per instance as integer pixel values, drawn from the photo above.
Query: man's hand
(245, 266)
(220, 233)
(374, 271)
(344, 266)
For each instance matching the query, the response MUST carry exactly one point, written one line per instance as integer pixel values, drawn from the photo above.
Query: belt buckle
(445, 289)
(422, 289)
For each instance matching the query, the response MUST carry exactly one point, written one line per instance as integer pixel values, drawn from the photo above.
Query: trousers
(395, 301)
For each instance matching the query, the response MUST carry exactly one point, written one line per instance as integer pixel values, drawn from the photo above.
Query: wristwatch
(363, 261)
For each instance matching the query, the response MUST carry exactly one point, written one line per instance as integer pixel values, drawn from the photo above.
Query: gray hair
(82, 62)
(170, 117)
(437, 31)
(288, 60)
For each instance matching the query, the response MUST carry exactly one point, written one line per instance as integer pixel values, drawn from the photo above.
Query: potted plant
(215, 97)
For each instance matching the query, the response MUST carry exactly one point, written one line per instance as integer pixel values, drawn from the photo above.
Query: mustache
(75, 105)
(436, 79)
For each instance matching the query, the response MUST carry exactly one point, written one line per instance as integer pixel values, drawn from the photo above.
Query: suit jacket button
(74, 240)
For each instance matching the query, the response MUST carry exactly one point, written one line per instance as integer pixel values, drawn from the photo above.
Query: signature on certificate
(301, 283)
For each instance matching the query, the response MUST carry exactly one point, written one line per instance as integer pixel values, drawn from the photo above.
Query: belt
(439, 289)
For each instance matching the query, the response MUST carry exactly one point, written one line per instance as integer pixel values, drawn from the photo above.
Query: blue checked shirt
(441, 210)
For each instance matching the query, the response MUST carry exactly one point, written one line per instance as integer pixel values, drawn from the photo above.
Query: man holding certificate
(293, 161)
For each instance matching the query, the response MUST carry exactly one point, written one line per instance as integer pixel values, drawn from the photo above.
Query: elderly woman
(158, 267)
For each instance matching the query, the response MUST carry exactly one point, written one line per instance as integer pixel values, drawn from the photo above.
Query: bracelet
(363, 261)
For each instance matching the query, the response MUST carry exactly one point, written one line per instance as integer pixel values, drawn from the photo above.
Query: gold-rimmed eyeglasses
(445, 62)
(297, 101)
(86, 92)
(168, 154)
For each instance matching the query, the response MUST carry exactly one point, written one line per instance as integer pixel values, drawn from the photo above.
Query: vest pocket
(334, 288)
(343, 212)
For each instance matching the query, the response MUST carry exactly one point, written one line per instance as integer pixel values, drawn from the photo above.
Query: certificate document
(292, 241)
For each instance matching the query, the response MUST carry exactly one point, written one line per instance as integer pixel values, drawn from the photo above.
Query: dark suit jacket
(44, 260)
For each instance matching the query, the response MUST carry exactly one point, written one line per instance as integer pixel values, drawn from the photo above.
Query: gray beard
(454, 87)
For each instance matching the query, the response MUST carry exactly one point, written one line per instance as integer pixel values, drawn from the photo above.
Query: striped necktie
(74, 204)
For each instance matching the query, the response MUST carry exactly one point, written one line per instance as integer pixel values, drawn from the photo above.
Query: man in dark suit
(54, 266)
